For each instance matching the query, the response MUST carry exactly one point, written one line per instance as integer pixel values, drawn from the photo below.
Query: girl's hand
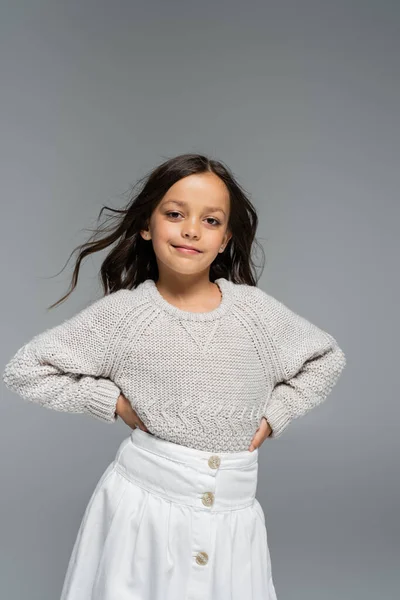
(261, 434)
(128, 414)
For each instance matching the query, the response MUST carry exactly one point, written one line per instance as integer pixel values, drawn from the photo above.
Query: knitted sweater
(200, 379)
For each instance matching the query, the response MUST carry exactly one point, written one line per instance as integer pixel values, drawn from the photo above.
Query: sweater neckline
(179, 313)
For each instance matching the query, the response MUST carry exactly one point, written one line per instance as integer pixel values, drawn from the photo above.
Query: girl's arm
(309, 362)
(67, 367)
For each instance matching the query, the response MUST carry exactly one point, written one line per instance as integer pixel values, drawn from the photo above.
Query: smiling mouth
(192, 250)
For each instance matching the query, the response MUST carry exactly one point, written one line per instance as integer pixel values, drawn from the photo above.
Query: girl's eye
(174, 212)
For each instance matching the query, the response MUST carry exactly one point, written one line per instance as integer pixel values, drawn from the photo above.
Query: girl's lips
(187, 250)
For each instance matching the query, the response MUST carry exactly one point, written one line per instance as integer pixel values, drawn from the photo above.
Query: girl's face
(194, 212)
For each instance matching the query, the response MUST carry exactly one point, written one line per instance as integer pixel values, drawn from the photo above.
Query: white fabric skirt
(168, 522)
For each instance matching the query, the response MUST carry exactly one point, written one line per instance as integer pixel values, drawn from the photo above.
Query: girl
(203, 366)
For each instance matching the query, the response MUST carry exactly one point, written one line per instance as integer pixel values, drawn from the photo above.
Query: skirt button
(202, 558)
(214, 462)
(208, 498)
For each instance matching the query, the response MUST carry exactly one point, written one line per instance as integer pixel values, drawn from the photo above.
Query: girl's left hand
(261, 434)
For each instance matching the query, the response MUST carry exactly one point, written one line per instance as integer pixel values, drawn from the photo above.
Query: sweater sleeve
(309, 362)
(66, 368)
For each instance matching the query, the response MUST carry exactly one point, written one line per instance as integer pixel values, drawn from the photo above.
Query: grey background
(301, 100)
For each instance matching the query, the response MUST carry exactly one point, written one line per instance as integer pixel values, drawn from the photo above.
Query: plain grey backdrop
(301, 100)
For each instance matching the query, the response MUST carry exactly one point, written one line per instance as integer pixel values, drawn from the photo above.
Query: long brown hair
(132, 260)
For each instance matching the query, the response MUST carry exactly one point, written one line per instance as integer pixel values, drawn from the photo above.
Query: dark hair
(133, 260)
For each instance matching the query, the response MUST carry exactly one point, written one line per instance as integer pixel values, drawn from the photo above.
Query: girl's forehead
(204, 187)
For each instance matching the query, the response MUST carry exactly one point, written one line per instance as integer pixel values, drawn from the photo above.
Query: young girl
(204, 366)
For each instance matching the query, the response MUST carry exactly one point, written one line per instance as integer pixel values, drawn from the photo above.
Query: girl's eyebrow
(183, 203)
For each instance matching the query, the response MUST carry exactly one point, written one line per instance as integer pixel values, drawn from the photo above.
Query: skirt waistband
(204, 480)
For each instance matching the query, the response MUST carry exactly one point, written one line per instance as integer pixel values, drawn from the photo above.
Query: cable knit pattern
(203, 380)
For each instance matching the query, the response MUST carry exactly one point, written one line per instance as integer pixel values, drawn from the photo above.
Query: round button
(202, 558)
(208, 498)
(214, 462)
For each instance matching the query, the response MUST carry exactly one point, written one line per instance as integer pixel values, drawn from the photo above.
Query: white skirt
(168, 522)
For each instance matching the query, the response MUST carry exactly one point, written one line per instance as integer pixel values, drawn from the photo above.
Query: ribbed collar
(225, 286)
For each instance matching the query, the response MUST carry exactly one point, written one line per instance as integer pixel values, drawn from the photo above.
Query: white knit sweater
(200, 379)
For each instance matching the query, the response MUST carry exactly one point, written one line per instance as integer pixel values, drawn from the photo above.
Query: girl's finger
(256, 441)
(141, 425)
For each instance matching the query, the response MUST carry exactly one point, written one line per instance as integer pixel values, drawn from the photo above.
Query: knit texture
(200, 379)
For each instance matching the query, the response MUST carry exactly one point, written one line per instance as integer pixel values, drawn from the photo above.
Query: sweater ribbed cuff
(277, 416)
(103, 402)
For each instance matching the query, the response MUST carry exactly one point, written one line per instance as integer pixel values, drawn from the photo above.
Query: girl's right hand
(128, 414)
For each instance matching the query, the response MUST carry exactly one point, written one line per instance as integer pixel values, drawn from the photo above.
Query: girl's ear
(227, 238)
(145, 233)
